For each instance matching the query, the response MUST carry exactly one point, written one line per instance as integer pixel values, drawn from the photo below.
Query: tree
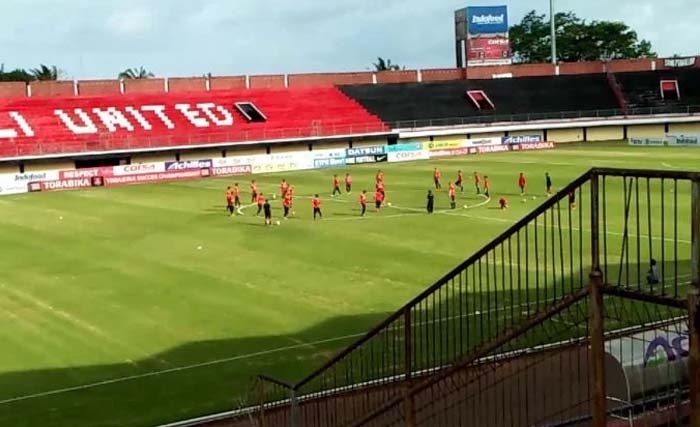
(385, 65)
(135, 73)
(16, 75)
(577, 40)
(44, 72)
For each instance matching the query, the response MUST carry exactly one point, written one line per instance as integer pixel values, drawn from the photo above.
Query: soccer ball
(61, 218)
(274, 196)
(466, 207)
(294, 213)
(199, 248)
(388, 204)
(534, 197)
(524, 200)
(278, 223)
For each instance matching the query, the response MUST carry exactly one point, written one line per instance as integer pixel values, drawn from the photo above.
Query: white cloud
(131, 22)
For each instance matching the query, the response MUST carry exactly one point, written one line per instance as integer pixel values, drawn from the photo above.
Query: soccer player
(548, 183)
(521, 183)
(452, 193)
(283, 188)
(431, 202)
(380, 188)
(287, 203)
(268, 212)
(380, 176)
(348, 183)
(477, 182)
(378, 199)
(487, 186)
(363, 202)
(503, 202)
(460, 181)
(572, 200)
(436, 178)
(236, 195)
(229, 201)
(336, 185)
(261, 202)
(316, 204)
(253, 192)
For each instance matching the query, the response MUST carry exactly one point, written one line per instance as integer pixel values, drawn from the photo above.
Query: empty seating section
(526, 98)
(41, 126)
(647, 89)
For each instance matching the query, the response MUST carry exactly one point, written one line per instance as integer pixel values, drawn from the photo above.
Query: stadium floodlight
(553, 30)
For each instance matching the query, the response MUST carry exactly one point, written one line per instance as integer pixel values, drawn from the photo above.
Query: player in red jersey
(316, 204)
(287, 203)
(503, 202)
(452, 193)
(253, 191)
(521, 183)
(348, 183)
(436, 178)
(378, 199)
(283, 188)
(380, 188)
(477, 182)
(460, 181)
(260, 201)
(229, 200)
(363, 202)
(487, 186)
(380, 176)
(236, 195)
(336, 186)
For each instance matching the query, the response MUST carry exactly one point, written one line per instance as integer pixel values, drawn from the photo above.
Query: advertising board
(489, 50)
(684, 140)
(407, 156)
(648, 141)
(487, 19)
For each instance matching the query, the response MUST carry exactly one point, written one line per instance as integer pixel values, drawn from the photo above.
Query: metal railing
(540, 285)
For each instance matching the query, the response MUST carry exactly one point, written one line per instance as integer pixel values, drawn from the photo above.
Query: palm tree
(44, 72)
(135, 73)
(385, 65)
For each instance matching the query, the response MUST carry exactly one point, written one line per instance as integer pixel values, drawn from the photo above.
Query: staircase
(525, 331)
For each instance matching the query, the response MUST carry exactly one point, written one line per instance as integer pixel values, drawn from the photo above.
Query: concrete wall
(331, 145)
(144, 85)
(565, 135)
(274, 81)
(526, 133)
(99, 87)
(684, 128)
(245, 151)
(227, 82)
(605, 133)
(369, 143)
(208, 153)
(187, 84)
(289, 148)
(9, 168)
(13, 89)
(49, 165)
(52, 88)
(488, 135)
(645, 131)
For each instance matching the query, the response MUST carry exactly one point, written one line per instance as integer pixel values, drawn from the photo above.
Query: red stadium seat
(670, 90)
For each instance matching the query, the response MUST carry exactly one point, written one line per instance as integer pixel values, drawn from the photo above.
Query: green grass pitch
(142, 305)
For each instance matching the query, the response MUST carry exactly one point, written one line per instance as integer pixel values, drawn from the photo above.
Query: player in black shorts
(431, 202)
(268, 212)
(548, 183)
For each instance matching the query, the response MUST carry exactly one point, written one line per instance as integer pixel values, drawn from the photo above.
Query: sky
(99, 38)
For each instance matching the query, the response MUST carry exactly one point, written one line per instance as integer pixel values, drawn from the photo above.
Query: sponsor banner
(152, 177)
(652, 348)
(333, 153)
(365, 151)
(188, 164)
(490, 149)
(408, 156)
(138, 169)
(366, 159)
(61, 184)
(487, 19)
(482, 142)
(647, 141)
(450, 152)
(85, 173)
(329, 163)
(488, 50)
(684, 140)
(533, 146)
(443, 145)
(231, 170)
(280, 166)
(8, 185)
(17, 183)
(406, 146)
(679, 62)
(520, 139)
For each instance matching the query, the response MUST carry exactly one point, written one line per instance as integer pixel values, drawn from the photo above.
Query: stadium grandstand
(577, 304)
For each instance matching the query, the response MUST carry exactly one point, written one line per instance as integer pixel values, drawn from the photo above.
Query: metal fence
(559, 301)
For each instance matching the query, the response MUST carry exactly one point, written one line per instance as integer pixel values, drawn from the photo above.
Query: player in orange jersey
(236, 191)
(363, 202)
(460, 181)
(477, 182)
(284, 186)
(348, 183)
(503, 203)
(287, 203)
(487, 186)
(336, 186)
(229, 200)
(260, 201)
(452, 193)
(378, 200)
(316, 204)
(437, 175)
(253, 191)
(521, 183)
